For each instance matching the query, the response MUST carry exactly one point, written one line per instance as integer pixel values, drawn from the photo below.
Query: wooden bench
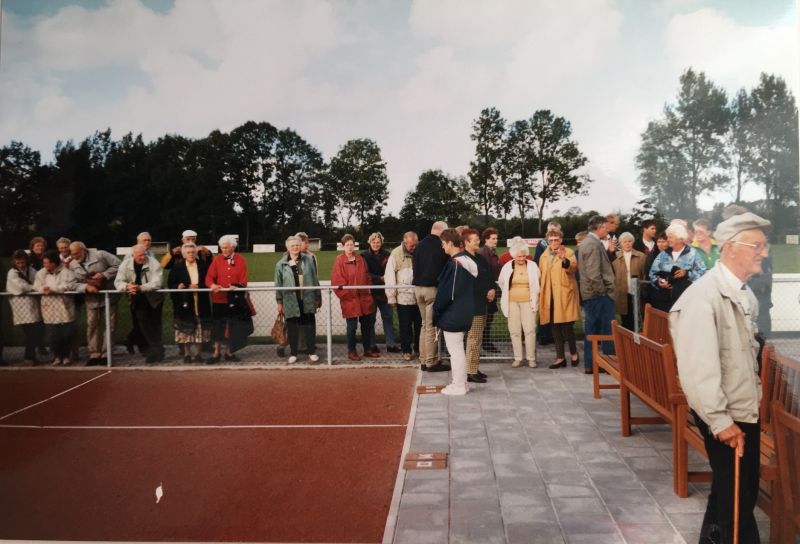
(786, 505)
(656, 327)
(648, 370)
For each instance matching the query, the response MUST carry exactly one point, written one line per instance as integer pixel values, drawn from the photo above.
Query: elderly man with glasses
(713, 330)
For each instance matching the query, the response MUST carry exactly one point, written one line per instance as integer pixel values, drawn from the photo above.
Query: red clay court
(240, 455)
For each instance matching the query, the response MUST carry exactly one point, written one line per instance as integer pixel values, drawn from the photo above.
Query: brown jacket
(559, 281)
(621, 278)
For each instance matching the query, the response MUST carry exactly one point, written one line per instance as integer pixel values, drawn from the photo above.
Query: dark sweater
(483, 283)
(453, 307)
(429, 260)
(376, 267)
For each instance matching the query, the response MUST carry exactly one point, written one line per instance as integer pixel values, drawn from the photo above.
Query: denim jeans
(385, 310)
(599, 313)
(366, 332)
(410, 327)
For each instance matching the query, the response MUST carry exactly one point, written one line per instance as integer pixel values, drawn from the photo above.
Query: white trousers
(522, 319)
(458, 358)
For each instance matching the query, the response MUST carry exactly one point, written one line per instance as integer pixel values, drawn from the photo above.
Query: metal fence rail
(330, 327)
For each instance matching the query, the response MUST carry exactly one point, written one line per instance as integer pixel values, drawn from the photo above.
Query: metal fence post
(330, 327)
(109, 340)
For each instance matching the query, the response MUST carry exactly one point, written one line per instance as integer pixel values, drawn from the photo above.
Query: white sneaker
(313, 357)
(292, 359)
(455, 390)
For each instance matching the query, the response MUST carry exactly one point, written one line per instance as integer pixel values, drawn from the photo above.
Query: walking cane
(736, 481)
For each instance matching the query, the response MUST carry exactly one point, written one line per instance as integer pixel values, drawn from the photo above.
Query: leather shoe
(474, 378)
(353, 356)
(481, 374)
(574, 362)
(562, 364)
(587, 371)
(372, 354)
(439, 367)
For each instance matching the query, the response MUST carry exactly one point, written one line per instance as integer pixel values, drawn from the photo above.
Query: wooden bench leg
(595, 374)
(680, 462)
(625, 409)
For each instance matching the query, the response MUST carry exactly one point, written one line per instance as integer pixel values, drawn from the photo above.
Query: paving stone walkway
(535, 459)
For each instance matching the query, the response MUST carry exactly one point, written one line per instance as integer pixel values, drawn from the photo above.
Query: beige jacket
(716, 350)
(622, 279)
(399, 271)
(561, 283)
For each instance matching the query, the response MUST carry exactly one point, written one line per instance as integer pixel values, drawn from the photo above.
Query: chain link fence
(22, 319)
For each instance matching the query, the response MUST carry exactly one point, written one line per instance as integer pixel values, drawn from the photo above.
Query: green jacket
(285, 278)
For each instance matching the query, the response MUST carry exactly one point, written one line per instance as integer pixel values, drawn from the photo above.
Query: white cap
(189, 233)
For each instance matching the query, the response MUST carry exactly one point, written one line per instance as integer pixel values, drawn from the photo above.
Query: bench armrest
(595, 338)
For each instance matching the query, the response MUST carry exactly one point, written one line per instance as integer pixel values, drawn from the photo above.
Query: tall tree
(690, 141)
(437, 197)
(360, 174)
(20, 169)
(488, 131)
(517, 171)
(557, 161)
(774, 159)
(740, 141)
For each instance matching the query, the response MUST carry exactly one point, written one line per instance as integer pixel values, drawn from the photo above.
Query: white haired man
(713, 331)
(428, 262)
(140, 277)
(94, 271)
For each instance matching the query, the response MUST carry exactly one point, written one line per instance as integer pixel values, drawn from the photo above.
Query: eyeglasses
(759, 247)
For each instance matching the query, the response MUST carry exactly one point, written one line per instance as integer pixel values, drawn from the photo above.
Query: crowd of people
(541, 293)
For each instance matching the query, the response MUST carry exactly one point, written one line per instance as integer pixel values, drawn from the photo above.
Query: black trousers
(34, 336)
(719, 510)
(148, 322)
(627, 319)
(60, 336)
(307, 323)
(487, 329)
(410, 322)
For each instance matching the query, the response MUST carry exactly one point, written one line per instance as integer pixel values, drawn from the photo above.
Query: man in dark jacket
(429, 260)
(454, 307)
(376, 258)
(597, 288)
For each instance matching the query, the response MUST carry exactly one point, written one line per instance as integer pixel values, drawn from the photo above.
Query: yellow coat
(559, 281)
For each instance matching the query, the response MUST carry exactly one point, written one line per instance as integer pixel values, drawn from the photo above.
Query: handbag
(279, 334)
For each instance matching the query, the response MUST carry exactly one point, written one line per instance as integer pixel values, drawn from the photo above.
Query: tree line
(265, 183)
(706, 141)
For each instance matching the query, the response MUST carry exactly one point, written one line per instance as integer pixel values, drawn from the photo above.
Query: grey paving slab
(535, 458)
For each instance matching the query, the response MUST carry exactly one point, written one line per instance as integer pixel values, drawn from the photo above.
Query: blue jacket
(454, 305)
(428, 261)
(689, 260)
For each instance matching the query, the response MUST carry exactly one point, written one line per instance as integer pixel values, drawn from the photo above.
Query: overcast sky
(410, 75)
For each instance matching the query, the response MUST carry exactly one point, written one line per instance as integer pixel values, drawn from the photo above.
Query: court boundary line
(202, 427)
(399, 483)
(55, 396)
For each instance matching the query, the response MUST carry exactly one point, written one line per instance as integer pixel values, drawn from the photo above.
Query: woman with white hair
(191, 311)
(628, 264)
(519, 282)
(228, 270)
(297, 269)
(675, 268)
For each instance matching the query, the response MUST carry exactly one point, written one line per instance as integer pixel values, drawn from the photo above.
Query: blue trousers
(366, 332)
(385, 310)
(599, 313)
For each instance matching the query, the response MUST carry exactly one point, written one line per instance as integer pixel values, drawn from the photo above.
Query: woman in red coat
(349, 268)
(228, 269)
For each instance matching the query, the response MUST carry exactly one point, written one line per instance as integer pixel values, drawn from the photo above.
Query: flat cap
(189, 233)
(738, 223)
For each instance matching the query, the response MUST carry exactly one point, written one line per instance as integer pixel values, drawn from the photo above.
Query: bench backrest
(647, 368)
(780, 381)
(656, 325)
(787, 449)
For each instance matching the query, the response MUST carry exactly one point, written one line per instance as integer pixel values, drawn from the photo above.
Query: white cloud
(732, 54)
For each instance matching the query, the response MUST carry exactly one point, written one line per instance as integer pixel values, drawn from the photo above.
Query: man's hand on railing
(133, 289)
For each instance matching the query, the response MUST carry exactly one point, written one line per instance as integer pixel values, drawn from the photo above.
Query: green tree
(360, 177)
(488, 132)
(774, 159)
(437, 197)
(20, 189)
(517, 171)
(740, 141)
(688, 143)
(556, 161)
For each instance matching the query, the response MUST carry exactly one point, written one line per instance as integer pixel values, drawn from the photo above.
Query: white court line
(197, 427)
(55, 396)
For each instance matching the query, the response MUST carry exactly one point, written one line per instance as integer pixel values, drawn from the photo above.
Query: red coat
(354, 302)
(225, 275)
